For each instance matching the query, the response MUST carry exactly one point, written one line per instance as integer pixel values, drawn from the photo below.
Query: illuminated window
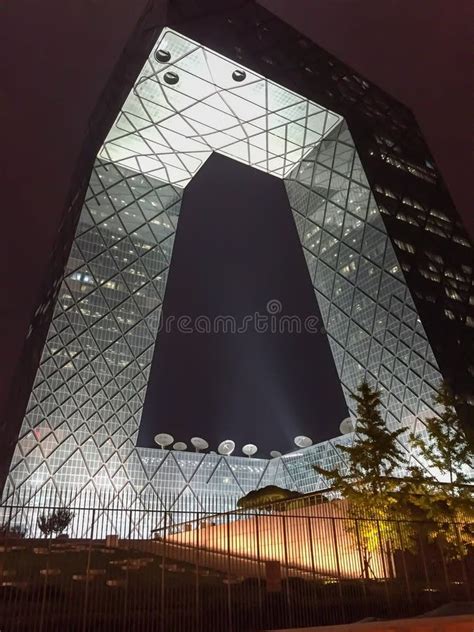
(452, 293)
(433, 228)
(461, 240)
(406, 218)
(404, 245)
(439, 215)
(427, 274)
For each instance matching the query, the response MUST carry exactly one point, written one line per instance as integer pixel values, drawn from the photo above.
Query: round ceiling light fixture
(171, 78)
(162, 55)
(239, 75)
(275, 454)
(180, 446)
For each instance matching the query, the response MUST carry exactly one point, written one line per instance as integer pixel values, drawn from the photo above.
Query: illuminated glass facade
(84, 411)
(433, 248)
(367, 308)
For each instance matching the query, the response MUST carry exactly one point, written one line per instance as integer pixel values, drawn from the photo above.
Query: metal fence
(179, 568)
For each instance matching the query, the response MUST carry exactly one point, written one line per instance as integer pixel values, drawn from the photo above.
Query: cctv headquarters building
(389, 260)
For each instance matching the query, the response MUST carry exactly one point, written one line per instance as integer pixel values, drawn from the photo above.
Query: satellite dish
(180, 445)
(303, 442)
(164, 439)
(274, 454)
(226, 447)
(249, 449)
(346, 426)
(199, 444)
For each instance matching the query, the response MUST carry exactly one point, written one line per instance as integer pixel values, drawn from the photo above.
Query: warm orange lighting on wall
(315, 540)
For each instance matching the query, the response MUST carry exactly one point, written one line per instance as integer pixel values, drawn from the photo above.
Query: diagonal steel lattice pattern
(367, 308)
(190, 101)
(84, 412)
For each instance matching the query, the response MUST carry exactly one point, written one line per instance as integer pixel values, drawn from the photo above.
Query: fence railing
(128, 513)
(183, 568)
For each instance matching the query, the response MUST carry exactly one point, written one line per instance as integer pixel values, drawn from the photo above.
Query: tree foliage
(372, 459)
(366, 479)
(444, 496)
(435, 500)
(55, 522)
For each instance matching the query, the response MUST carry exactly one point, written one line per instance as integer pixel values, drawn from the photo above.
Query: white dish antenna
(303, 442)
(180, 446)
(346, 426)
(199, 443)
(226, 447)
(249, 449)
(164, 439)
(275, 454)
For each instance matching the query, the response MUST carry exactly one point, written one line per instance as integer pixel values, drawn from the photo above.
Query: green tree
(373, 457)
(366, 479)
(443, 492)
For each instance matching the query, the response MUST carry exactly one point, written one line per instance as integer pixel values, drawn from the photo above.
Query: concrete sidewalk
(460, 623)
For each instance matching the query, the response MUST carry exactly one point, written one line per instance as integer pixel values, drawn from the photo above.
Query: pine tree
(446, 498)
(373, 457)
(366, 480)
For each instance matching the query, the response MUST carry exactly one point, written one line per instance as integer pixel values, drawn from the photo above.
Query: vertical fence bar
(92, 523)
(9, 522)
(200, 517)
(287, 573)
(404, 563)
(86, 592)
(445, 570)
(462, 562)
(384, 566)
(259, 570)
(311, 547)
(425, 568)
(229, 596)
(163, 562)
(338, 564)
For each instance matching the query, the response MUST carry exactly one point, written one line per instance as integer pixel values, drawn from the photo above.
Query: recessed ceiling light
(171, 78)
(239, 75)
(162, 55)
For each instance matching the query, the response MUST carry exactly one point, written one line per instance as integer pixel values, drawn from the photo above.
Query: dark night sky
(236, 250)
(56, 59)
